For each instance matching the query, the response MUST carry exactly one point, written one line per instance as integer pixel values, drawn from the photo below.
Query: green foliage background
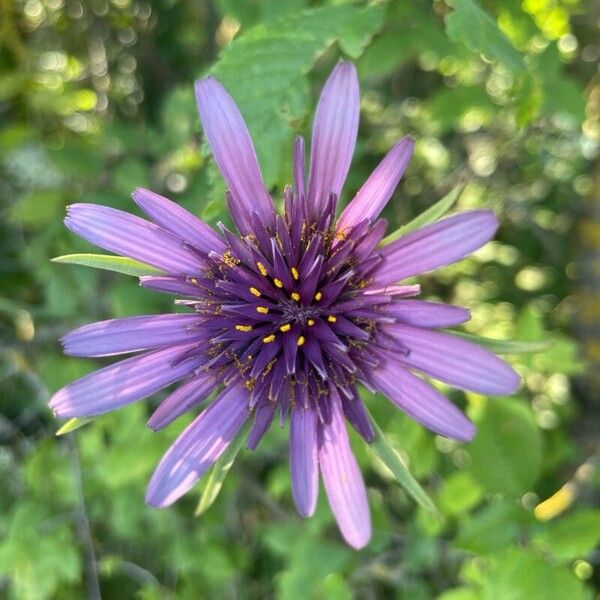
(96, 98)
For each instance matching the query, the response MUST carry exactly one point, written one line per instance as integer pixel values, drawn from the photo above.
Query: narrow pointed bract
(287, 315)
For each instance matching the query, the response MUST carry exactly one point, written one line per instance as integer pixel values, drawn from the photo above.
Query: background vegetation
(96, 98)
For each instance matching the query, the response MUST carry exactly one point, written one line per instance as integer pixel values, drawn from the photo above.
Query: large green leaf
(219, 471)
(107, 262)
(506, 453)
(390, 457)
(470, 24)
(432, 214)
(265, 70)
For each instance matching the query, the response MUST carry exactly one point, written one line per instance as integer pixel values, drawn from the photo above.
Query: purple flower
(287, 315)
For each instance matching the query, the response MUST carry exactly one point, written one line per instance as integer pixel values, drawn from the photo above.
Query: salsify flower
(288, 315)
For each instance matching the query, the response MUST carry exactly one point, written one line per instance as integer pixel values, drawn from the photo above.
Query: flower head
(287, 315)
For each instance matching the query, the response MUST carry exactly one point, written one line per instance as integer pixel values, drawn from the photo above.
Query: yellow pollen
(332, 319)
(295, 273)
(301, 340)
(263, 310)
(318, 296)
(268, 339)
(310, 322)
(285, 327)
(295, 296)
(278, 283)
(262, 269)
(194, 280)
(255, 292)
(244, 327)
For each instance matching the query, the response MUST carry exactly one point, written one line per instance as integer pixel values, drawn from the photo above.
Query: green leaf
(219, 471)
(506, 453)
(265, 70)
(431, 215)
(572, 536)
(107, 262)
(73, 424)
(470, 24)
(505, 346)
(389, 456)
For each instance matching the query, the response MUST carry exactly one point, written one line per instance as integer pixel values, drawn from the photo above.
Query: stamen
(255, 292)
(262, 310)
(295, 296)
(301, 340)
(310, 322)
(332, 319)
(278, 283)
(285, 327)
(193, 280)
(262, 269)
(269, 338)
(318, 296)
(244, 327)
(295, 273)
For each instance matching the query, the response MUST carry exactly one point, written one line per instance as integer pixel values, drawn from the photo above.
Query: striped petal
(233, 151)
(179, 221)
(128, 235)
(422, 402)
(342, 479)
(426, 314)
(130, 334)
(435, 245)
(334, 134)
(186, 396)
(122, 383)
(372, 197)
(454, 361)
(198, 447)
(303, 460)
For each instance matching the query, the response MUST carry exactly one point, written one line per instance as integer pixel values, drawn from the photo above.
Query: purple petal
(304, 460)
(426, 314)
(422, 402)
(454, 361)
(122, 383)
(343, 480)
(171, 285)
(179, 221)
(191, 393)
(357, 416)
(372, 197)
(334, 133)
(299, 166)
(435, 245)
(262, 420)
(131, 334)
(131, 236)
(233, 150)
(198, 447)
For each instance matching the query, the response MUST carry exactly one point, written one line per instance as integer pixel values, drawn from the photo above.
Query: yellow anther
(263, 310)
(244, 327)
(295, 296)
(332, 319)
(194, 280)
(295, 273)
(310, 322)
(285, 327)
(278, 283)
(262, 269)
(255, 292)
(301, 340)
(268, 339)
(318, 296)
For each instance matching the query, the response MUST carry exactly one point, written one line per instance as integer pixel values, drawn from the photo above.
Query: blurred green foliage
(96, 98)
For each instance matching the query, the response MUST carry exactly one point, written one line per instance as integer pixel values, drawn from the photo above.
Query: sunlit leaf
(506, 346)
(73, 424)
(219, 471)
(389, 456)
(432, 214)
(107, 262)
